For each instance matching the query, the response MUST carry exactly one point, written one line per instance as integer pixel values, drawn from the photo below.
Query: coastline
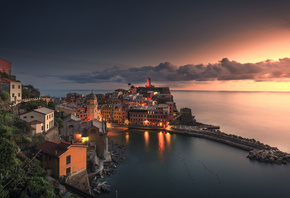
(257, 150)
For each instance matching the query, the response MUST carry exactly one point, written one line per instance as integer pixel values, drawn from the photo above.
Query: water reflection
(161, 144)
(127, 138)
(168, 140)
(146, 137)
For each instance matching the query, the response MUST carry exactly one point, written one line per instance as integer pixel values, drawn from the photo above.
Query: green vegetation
(35, 104)
(28, 91)
(4, 95)
(59, 122)
(19, 175)
(5, 75)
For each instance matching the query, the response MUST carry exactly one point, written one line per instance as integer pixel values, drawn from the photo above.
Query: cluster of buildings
(144, 106)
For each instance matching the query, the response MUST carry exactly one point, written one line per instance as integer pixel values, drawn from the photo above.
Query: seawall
(257, 150)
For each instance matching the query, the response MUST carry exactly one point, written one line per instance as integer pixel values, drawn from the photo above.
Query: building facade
(42, 115)
(13, 87)
(63, 159)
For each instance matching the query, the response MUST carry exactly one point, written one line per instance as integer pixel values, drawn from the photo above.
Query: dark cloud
(223, 70)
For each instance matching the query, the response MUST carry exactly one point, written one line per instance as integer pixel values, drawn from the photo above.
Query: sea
(160, 164)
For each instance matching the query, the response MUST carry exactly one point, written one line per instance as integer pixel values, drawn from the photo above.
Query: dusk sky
(193, 45)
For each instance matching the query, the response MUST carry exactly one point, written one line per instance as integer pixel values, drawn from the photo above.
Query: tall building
(5, 66)
(92, 107)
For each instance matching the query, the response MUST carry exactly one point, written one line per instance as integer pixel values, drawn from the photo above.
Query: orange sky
(247, 47)
(251, 47)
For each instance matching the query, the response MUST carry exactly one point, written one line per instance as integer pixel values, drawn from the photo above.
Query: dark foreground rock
(98, 184)
(270, 156)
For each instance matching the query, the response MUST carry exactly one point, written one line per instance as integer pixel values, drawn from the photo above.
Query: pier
(257, 150)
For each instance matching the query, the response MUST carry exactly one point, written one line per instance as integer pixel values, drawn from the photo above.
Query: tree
(59, 122)
(132, 87)
(4, 95)
(28, 91)
(34, 104)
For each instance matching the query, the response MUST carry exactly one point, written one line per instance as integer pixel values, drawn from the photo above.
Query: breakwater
(257, 150)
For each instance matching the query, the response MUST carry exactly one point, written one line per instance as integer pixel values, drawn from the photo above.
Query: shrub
(4, 95)
(26, 140)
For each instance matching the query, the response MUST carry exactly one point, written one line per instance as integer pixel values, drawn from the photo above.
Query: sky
(188, 45)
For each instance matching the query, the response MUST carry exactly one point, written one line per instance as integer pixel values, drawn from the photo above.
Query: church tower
(92, 107)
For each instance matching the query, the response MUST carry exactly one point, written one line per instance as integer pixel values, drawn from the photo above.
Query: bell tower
(92, 106)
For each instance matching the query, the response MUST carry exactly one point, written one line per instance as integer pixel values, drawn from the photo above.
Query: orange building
(63, 158)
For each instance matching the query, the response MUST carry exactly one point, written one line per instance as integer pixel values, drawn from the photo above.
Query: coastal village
(68, 136)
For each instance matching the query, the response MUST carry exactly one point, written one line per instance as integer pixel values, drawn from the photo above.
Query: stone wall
(52, 135)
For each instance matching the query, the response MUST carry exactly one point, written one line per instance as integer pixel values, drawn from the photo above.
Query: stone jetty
(257, 150)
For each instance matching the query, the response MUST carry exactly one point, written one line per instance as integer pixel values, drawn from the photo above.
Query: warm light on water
(127, 138)
(182, 166)
(168, 140)
(161, 145)
(146, 138)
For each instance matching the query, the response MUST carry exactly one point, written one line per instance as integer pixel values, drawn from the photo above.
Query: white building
(44, 116)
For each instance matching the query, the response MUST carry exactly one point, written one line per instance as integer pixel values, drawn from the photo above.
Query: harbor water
(160, 164)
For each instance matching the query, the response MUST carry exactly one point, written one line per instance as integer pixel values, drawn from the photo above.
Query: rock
(105, 188)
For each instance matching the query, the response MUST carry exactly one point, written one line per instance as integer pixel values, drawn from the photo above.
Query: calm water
(170, 165)
(264, 116)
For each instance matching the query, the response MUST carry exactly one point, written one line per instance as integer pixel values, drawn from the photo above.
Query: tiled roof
(4, 80)
(56, 148)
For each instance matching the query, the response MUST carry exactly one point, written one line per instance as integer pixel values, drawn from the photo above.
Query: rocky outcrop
(98, 185)
(269, 156)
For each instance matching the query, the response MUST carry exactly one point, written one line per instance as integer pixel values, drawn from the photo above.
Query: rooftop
(71, 117)
(56, 148)
(5, 80)
(44, 110)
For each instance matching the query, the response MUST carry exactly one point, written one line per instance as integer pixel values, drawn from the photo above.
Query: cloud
(224, 70)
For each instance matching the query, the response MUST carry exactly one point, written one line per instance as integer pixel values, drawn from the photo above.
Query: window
(31, 116)
(42, 128)
(68, 171)
(68, 159)
(25, 117)
(47, 117)
(47, 126)
(13, 95)
(18, 86)
(13, 86)
(18, 94)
